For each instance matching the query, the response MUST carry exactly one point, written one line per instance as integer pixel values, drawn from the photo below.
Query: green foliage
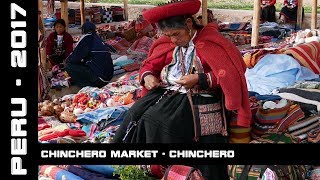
(131, 173)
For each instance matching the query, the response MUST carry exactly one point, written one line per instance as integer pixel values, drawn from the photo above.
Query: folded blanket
(307, 55)
(106, 170)
(83, 173)
(58, 173)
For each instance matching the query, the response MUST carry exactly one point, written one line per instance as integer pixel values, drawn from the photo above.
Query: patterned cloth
(83, 173)
(307, 55)
(301, 128)
(103, 116)
(252, 58)
(57, 173)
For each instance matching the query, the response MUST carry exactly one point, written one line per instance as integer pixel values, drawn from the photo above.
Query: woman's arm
(50, 44)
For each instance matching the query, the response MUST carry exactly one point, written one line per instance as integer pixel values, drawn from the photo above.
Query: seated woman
(59, 43)
(288, 13)
(268, 11)
(191, 75)
(90, 64)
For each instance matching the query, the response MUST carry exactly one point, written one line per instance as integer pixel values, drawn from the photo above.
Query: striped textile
(307, 55)
(271, 116)
(239, 135)
(57, 173)
(294, 114)
(301, 128)
(235, 172)
(266, 119)
(314, 135)
(252, 58)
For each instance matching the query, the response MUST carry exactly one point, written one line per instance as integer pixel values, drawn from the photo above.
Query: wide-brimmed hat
(171, 9)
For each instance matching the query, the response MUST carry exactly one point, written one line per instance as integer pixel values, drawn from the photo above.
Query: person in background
(59, 43)
(90, 63)
(268, 11)
(189, 67)
(288, 13)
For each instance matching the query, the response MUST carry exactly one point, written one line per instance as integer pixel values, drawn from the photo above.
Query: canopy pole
(64, 12)
(255, 23)
(83, 18)
(314, 15)
(299, 14)
(204, 12)
(126, 14)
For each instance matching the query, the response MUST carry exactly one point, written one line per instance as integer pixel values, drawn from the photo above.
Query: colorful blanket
(57, 173)
(307, 55)
(252, 58)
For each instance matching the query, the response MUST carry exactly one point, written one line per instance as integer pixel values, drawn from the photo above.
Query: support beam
(64, 12)
(314, 15)
(204, 12)
(40, 8)
(299, 14)
(83, 17)
(126, 14)
(255, 23)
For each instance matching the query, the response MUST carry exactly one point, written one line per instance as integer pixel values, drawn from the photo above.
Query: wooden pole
(83, 18)
(64, 12)
(40, 8)
(299, 14)
(314, 15)
(255, 23)
(204, 12)
(126, 14)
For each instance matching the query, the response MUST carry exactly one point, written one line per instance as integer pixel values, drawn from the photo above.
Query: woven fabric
(307, 55)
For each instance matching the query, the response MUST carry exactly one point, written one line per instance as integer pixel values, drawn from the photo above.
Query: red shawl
(224, 59)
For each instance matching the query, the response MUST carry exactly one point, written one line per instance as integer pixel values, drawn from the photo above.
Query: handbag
(208, 113)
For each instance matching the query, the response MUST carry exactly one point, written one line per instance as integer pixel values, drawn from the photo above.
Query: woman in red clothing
(268, 11)
(188, 66)
(288, 13)
(59, 43)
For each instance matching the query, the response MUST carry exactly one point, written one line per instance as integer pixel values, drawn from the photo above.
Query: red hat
(173, 8)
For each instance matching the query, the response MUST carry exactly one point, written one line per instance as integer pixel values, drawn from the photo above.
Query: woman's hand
(151, 82)
(188, 81)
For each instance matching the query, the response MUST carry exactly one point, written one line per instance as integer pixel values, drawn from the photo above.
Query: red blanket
(224, 60)
(308, 55)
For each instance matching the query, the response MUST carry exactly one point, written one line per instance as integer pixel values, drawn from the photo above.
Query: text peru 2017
(18, 120)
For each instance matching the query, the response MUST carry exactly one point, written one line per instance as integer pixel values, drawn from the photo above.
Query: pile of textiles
(90, 116)
(267, 172)
(244, 37)
(233, 26)
(292, 114)
(276, 71)
(305, 36)
(141, 46)
(274, 29)
(124, 64)
(308, 55)
(51, 130)
(60, 77)
(111, 30)
(120, 44)
(76, 172)
(251, 58)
